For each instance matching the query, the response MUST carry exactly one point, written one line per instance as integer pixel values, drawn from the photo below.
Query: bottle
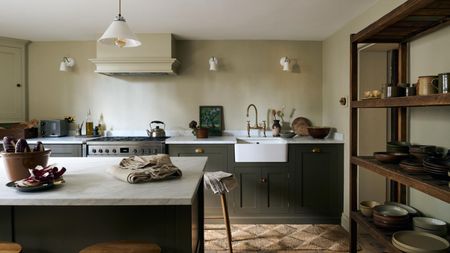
(101, 125)
(276, 128)
(89, 124)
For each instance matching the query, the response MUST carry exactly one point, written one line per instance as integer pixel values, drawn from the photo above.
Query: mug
(443, 82)
(427, 85)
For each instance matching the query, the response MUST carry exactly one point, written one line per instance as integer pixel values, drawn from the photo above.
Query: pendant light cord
(120, 8)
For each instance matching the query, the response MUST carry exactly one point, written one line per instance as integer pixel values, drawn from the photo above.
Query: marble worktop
(233, 140)
(89, 184)
(61, 140)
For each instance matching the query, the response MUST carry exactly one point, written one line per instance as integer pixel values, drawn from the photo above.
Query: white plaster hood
(154, 57)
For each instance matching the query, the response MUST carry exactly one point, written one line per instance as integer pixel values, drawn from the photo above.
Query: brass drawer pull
(199, 151)
(316, 150)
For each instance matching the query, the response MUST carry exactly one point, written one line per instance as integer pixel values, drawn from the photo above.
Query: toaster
(54, 128)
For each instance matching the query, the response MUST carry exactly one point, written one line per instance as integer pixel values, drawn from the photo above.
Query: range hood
(154, 57)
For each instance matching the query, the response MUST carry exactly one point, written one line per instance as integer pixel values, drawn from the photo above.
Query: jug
(427, 85)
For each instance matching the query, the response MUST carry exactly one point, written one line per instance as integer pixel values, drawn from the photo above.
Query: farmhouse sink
(248, 149)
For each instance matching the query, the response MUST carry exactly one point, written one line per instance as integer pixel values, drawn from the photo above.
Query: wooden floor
(367, 243)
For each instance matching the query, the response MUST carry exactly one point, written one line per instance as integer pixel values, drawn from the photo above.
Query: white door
(12, 90)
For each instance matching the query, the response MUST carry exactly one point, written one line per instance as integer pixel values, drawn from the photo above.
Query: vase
(276, 128)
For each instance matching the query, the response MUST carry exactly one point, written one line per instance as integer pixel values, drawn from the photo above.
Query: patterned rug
(275, 237)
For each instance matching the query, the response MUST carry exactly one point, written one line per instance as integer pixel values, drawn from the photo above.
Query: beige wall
(430, 56)
(249, 73)
(336, 79)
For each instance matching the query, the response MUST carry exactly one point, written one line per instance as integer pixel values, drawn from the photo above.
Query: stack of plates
(397, 147)
(437, 167)
(430, 225)
(421, 151)
(391, 217)
(412, 166)
(419, 242)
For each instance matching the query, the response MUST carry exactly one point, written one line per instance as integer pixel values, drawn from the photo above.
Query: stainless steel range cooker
(126, 146)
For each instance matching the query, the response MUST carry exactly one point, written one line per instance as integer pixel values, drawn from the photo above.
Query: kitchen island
(93, 206)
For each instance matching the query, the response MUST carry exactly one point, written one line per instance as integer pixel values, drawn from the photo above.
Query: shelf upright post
(353, 143)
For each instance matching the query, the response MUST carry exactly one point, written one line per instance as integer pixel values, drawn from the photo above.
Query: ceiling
(58, 20)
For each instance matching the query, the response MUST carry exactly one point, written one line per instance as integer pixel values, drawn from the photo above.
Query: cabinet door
(65, 150)
(12, 95)
(319, 180)
(248, 196)
(276, 192)
(217, 161)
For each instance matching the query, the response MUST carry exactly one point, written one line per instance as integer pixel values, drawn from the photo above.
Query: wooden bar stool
(122, 247)
(10, 247)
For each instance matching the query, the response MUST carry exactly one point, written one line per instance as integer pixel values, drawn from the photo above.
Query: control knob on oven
(114, 151)
(94, 150)
(135, 151)
(100, 150)
(106, 151)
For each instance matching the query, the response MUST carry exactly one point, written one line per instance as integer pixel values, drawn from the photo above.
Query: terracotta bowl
(319, 132)
(17, 164)
(387, 157)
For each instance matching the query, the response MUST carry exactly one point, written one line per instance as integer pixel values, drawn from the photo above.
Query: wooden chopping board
(300, 126)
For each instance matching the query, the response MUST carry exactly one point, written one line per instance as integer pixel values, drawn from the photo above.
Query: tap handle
(264, 128)
(248, 128)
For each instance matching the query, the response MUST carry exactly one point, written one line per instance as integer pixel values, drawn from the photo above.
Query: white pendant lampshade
(119, 34)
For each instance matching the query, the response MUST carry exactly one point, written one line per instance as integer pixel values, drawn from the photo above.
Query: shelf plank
(422, 182)
(382, 236)
(435, 12)
(413, 101)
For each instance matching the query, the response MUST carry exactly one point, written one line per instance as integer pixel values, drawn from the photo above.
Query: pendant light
(119, 34)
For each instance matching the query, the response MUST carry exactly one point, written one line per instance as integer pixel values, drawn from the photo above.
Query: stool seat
(10, 247)
(122, 247)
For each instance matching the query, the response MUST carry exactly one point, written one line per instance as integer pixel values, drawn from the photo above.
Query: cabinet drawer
(65, 150)
(217, 154)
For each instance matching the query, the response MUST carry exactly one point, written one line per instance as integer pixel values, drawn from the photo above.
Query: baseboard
(345, 222)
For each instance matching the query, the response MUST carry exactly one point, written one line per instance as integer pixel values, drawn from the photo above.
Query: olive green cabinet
(217, 161)
(263, 189)
(319, 181)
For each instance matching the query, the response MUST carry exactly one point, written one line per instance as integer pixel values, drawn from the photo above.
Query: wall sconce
(284, 61)
(213, 64)
(66, 64)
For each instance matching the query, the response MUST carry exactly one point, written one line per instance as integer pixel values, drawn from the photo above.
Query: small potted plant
(199, 132)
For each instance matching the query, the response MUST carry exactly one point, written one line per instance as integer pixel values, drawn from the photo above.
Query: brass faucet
(257, 126)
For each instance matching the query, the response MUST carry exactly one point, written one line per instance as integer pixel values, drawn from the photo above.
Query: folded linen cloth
(141, 169)
(219, 181)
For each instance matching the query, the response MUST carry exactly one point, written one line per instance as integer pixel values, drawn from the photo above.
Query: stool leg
(226, 219)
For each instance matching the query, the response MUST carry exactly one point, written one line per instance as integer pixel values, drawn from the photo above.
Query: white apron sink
(248, 149)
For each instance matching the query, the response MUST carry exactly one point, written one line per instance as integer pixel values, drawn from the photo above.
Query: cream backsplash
(249, 72)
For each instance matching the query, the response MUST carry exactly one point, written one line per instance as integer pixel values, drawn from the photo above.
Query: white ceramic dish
(430, 223)
(411, 210)
(419, 242)
(441, 233)
(390, 210)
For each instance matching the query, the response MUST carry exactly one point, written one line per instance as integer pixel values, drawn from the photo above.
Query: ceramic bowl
(367, 206)
(387, 157)
(429, 223)
(289, 134)
(390, 211)
(411, 210)
(17, 164)
(319, 132)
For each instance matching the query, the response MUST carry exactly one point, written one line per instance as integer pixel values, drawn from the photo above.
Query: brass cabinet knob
(263, 180)
(199, 151)
(316, 150)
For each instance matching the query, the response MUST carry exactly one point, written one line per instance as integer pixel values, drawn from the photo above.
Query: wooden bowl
(319, 132)
(17, 164)
(388, 157)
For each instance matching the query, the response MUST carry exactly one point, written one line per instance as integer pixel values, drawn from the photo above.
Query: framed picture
(211, 117)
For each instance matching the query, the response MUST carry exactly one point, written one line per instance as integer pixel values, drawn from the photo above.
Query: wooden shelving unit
(409, 21)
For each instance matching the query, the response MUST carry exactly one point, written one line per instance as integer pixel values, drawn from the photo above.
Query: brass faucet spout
(256, 113)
